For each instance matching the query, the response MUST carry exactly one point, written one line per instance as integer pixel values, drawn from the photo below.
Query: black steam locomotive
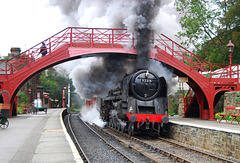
(139, 104)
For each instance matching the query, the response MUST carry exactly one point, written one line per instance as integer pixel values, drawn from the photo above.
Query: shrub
(173, 110)
(19, 110)
(229, 118)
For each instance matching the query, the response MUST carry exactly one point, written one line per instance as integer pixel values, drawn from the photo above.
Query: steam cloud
(91, 115)
(96, 76)
(136, 15)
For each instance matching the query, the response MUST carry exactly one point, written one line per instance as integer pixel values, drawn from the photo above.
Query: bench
(227, 108)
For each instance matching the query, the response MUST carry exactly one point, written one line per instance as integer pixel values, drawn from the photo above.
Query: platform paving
(37, 138)
(208, 124)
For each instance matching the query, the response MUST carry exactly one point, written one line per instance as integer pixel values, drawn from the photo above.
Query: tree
(198, 21)
(230, 24)
(206, 26)
(53, 83)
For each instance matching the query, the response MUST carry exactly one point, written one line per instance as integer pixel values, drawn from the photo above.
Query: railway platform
(37, 138)
(206, 124)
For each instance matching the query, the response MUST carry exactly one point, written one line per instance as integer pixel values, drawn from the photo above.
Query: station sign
(182, 79)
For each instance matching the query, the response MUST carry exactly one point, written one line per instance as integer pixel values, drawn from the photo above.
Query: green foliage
(174, 108)
(5, 58)
(197, 21)
(74, 110)
(53, 83)
(23, 98)
(237, 97)
(208, 25)
(229, 118)
(19, 110)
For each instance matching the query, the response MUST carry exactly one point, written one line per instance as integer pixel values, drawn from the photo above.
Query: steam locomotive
(139, 104)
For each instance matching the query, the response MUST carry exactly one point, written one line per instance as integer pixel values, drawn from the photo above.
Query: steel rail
(81, 152)
(148, 146)
(176, 144)
(164, 152)
(197, 151)
(126, 157)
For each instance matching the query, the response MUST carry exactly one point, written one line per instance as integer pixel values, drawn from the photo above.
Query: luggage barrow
(37, 109)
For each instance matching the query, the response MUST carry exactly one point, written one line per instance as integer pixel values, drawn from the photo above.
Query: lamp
(29, 94)
(230, 46)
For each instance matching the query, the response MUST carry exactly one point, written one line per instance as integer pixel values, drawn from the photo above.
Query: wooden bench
(227, 108)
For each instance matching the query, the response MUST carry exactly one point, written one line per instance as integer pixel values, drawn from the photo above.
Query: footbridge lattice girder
(73, 42)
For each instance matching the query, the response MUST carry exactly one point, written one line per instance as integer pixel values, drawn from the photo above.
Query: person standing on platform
(43, 49)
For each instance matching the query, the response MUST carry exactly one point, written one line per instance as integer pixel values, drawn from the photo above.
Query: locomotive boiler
(139, 104)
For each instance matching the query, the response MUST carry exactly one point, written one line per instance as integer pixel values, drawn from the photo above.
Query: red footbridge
(207, 86)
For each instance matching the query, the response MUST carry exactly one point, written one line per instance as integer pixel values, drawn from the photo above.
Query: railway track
(75, 140)
(154, 154)
(155, 150)
(200, 152)
(94, 147)
(164, 149)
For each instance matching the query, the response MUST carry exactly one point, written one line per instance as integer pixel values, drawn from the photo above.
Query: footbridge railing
(195, 62)
(73, 36)
(114, 38)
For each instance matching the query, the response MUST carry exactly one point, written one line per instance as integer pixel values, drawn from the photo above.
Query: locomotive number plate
(146, 80)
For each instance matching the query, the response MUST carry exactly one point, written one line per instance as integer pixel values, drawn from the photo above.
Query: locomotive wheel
(114, 123)
(118, 126)
(122, 128)
(131, 130)
(110, 123)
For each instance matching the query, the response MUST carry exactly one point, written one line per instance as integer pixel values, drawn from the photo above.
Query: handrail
(92, 37)
(87, 36)
(188, 98)
(195, 62)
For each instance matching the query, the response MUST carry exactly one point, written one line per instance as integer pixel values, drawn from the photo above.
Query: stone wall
(231, 99)
(181, 105)
(223, 143)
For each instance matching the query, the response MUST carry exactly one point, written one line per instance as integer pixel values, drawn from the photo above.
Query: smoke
(69, 8)
(95, 77)
(160, 70)
(140, 17)
(91, 115)
(146, 11)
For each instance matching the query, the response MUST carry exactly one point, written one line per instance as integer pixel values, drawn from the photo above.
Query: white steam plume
(94, 77)
(91, 115)
(117, 14)
(160, 70)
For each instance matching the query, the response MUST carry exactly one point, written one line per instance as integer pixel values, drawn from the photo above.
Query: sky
(25, 23)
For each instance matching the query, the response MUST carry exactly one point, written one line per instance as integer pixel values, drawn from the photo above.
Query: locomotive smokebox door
(145, 85)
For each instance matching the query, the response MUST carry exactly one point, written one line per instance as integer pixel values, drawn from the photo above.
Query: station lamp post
(29, 94)
(230, 46)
